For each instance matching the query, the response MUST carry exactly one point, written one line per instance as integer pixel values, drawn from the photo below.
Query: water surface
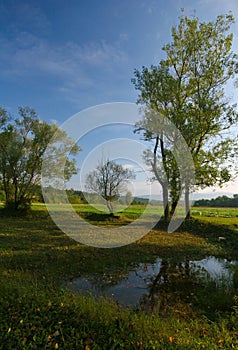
(152, 286)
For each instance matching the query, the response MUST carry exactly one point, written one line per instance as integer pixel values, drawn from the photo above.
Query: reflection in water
(155, 287)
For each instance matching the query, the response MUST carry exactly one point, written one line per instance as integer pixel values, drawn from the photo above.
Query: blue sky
(60, 57)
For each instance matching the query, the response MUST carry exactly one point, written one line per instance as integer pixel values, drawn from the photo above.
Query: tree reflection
(184, 287)
(183, 283)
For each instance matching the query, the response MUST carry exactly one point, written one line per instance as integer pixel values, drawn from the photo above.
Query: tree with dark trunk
(23, 142)
(188, 89)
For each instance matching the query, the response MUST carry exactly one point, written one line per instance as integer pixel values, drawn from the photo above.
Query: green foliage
(22, 147)
(2, 196)
(188, 88)
(221, 201)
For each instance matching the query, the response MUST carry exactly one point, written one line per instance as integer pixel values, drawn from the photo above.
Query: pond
(209, 283)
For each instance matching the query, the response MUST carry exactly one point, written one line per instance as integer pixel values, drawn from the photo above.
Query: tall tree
(23, 142)
(109, 180)
(158, 91)
(199, 62)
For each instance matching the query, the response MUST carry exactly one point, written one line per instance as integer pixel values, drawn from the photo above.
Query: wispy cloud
(27, 53)
(71, 65)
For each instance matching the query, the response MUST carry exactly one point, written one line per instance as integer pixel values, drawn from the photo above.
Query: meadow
(39, 312)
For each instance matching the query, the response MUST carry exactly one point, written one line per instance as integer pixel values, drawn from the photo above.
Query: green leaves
(22, 147)
(188, 88)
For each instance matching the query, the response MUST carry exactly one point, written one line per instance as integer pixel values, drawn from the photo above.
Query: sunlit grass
(37, 312)
(215, 212)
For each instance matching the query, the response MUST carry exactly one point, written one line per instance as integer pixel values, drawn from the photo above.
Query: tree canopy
(109, 180)
(23, 142)
(188, 88)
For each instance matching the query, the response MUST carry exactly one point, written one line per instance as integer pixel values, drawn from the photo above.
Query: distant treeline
(75, 197)
(52, 195)
(221, 201)
(80, 197)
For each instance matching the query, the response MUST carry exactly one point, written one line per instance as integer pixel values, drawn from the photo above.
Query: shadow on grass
(96, 216)
(103, 218)
(221, 235)
(39, 247)
(35, 243)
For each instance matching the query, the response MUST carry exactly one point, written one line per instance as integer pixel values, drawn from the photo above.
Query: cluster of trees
(221, 201)
(55, 195)
(23, 142)
(187, 90)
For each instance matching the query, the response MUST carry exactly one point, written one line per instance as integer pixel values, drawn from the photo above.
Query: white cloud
(70, 65)
(142, 188)
(27, 52)
(129, 166)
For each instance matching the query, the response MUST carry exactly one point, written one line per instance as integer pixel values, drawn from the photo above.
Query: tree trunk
(110, 207)
(165, 201)
(163, 183)
(187, 203)
(173, 206)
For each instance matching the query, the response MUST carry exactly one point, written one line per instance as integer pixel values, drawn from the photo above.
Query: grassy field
(38, 312)
(215, 212)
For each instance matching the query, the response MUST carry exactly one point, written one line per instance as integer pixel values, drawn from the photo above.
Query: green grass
(215, 212)
(37, 312)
